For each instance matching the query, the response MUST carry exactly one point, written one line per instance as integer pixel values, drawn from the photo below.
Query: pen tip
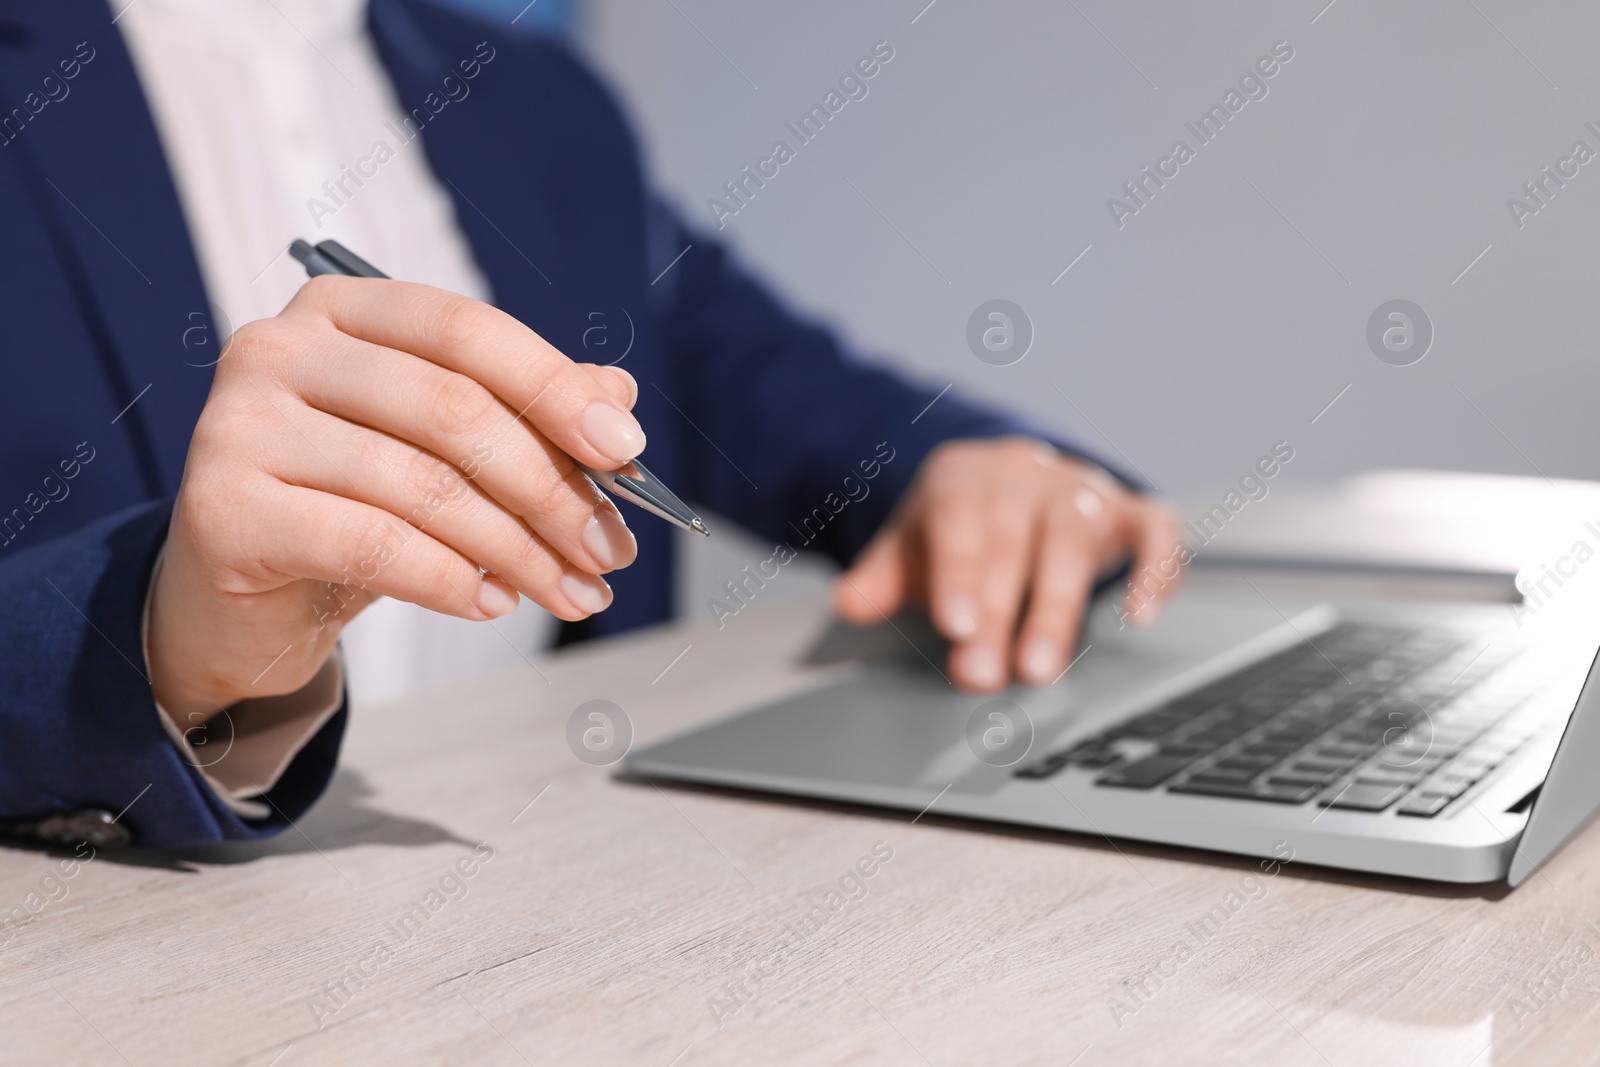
(699, 527)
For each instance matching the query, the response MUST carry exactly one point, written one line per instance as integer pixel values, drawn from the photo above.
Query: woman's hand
(380, 438)
(993, 530)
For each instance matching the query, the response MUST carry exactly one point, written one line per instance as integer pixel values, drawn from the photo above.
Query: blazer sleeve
(78, 724)
(782, 415)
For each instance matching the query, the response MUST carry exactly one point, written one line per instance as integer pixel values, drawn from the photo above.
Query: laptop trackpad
(900, 723)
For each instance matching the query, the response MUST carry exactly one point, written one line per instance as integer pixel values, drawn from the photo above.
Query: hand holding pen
(631, 482)
(326, 470)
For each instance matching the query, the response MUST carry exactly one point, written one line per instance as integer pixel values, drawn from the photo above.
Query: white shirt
(259, 103)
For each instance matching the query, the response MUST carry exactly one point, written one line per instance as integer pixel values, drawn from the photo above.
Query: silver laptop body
(1442, 741)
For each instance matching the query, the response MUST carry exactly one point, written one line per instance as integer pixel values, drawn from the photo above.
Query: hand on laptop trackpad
(911, 637)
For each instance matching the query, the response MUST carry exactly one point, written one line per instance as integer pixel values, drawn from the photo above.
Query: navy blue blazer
(108, 353)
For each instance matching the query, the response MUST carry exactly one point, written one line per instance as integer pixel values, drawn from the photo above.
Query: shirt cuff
(243, 750)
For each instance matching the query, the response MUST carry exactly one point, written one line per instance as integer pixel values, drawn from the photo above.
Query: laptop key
(1293, 776)
(1221, 780)
(1296, 734)
(1425, 805)
(1044, 768)
(1150, 726)
(1385, 775)
(1340, 753)
(1243, 763)
(1276, 794)
(1262, 748)
(1146, 773)
(1210, 741)
(1089, 754)
(1451, 785)
(1365, 796)
(1470, 768)
(1229, 774)
(1331, 768)
(1095, 752)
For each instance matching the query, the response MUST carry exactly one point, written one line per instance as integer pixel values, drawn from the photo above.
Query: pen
(632, 482)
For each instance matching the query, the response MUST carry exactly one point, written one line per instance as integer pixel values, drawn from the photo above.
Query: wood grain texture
(616, 920)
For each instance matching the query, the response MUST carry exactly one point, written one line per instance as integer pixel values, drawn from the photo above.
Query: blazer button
(91, 825)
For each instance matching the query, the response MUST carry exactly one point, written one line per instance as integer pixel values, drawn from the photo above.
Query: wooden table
(619, 922)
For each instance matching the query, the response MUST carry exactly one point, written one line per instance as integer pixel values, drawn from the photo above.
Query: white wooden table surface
(619, 922)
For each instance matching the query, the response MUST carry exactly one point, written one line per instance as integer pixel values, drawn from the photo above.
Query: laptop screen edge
(1570, 794)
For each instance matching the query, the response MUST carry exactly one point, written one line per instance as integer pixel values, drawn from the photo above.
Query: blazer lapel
(94, 166)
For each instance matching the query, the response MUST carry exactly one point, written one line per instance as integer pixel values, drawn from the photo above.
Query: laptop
(1445, 741)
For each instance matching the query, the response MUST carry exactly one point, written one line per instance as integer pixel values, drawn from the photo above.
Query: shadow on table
(341, 819)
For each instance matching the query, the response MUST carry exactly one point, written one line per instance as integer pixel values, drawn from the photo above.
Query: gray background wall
(1231, 310)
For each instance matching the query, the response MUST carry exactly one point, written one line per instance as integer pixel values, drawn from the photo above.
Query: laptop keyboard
(1364, 716)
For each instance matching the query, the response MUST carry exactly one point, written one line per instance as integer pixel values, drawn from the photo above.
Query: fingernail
(612, 432)
(633, 383)
(960, 616)
(587, 593)
(609, 540)
(983, 666)
(1040, 662)
(494, 600)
